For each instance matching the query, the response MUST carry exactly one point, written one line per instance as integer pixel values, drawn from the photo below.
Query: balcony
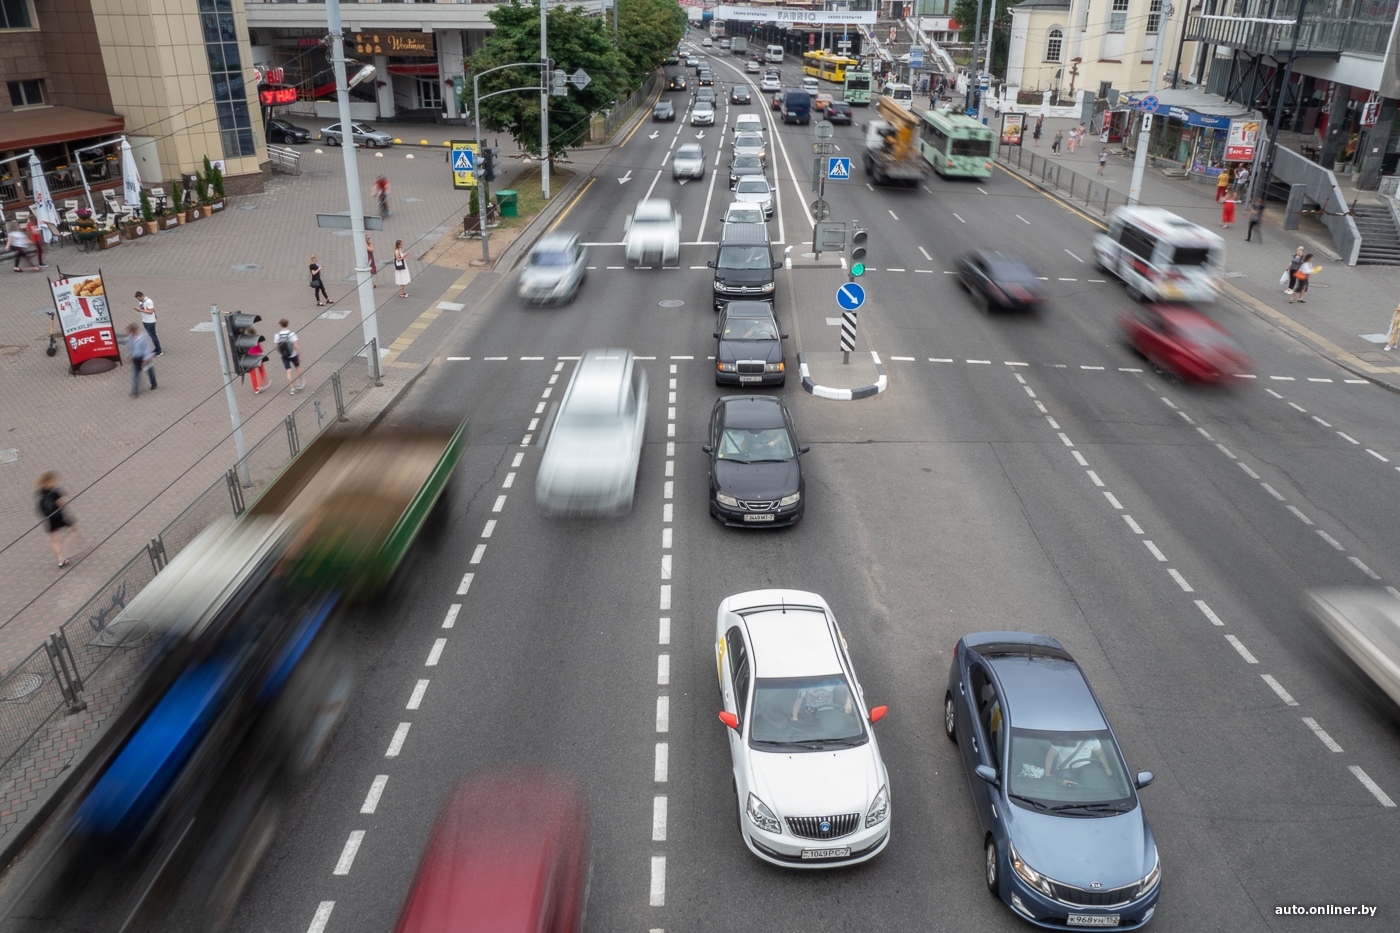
(1322, 36)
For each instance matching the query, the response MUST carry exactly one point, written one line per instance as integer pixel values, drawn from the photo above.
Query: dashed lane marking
(1321, 734)
(321, 917)
(347, 854)
(416, 700)
(452, 611)
(1277, 688)
(467, 578)
(1244, 652)
(376, 790)
(396, 743)
(1371, 785)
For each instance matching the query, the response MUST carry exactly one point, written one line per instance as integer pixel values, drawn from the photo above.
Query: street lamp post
(974, 81)
(544, 104)
(1145, 133)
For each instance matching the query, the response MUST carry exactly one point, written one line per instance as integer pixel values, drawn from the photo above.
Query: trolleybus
(857, 86)
(955, 144)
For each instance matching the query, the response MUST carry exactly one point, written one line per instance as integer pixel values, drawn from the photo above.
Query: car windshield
(748, 215)
(690, 152)
(748, 141)
(1009, 272)
(750, 328)
(804, 714)
(755, 445)
(1191, 256)
(744, 257)
(550, 258)
(748, 161)
(752, 186)
(1075, 773)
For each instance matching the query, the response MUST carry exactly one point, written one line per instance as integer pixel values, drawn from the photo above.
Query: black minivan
(796, 106)
(744, 265)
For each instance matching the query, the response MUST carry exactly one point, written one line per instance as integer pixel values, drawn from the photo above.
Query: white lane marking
(893, 214)
(1112, 500)
(1271, 490)
(669, 490)
(981, 189)
(534, 423)
(672, 397)
(960, 220)
(1080, 457)
(940, 359)
(1053, 423)
(1137, 529)
(539, 409)
(1156, 551)
(1180, 580)
(661, 770)
(559, 365)
(1298, 407)
(495, 359)
(665, 566)
(1321, 422)
(1299, 515)
(1094, 477)
(435, 654)
(1099, 368)
(1273, 393)
(663, 714)
(1248, 472)
(1359, 382)
(1371, 785)
(1315, 379)
(1208, 612)
(1023, 220)
(1320, 732)
(321, 918)
(670, 414)
(1204, 433)
(1226, 451)
(658, 818)
(547, 392)
(1013, 363)
(665, 539)
(347, 854)
(665, 596)
(663, 632)
(1245, 376)
(658, 881)
(893, 269)
(516, 461)
(1186, 417)
(1074, 257)
(926, 255)
(450, 359)
(1170, 403)
(663, 670)
(658, 175)
(466, 583)
(671, 445)
(1244, 652)
(455, 608)
(666, 512)
(1104, 282)
(489, 528)
(981, 362)
(681, 358)
(523, 358)
(525, 441)
(1364, 569)
(1277, 687)
(903, 359)
(477, 554)
(1126, 369)
(704, 215)
(1331, 540)
(1065, 438)
(376, 790)
(1082, 367)
(416, 700)
(500, 504)
(1376, 455)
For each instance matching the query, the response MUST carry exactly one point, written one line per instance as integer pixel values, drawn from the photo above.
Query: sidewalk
(1345, 306)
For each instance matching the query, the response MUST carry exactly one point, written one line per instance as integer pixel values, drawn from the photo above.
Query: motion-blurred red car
(1184, 343)
(509, 854)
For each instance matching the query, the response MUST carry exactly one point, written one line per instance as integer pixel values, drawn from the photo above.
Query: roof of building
(43, 126)
(1044, 4)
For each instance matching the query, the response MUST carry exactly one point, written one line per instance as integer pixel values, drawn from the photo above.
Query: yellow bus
(827, 65)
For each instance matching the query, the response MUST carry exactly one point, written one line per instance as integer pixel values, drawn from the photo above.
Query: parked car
(1065, 839)
(554, 269)
(840, 112)
(652, 235)
(702, 114)
(999, 280)
(1185, 344)
(676, 83)
(280, 131)
(688, 162)
(739, 94)
(664, 110)
(363, 135)
(589, 466)
(750, 346)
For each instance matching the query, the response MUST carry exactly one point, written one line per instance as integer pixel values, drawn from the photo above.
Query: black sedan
(677, 83)
(707, 78)
(1000, 280)
(750, 349)
(743, 166)
(280, 131)
(664, 110)
(755, 476)
(740, 95)
(839, 112)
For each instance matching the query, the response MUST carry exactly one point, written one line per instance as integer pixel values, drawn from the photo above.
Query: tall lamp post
(1268, 171)
(1145, 133)
(544, 103)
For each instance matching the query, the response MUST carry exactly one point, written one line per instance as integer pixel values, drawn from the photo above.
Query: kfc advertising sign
(86, 320)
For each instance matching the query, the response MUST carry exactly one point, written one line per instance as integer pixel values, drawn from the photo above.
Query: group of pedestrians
(26, 241)
(402, 276)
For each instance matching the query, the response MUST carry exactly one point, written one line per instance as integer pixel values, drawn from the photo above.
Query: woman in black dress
(51, 504)
(318, 288)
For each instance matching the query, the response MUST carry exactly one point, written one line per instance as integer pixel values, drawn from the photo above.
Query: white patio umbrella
(131, 178)
(44, 210)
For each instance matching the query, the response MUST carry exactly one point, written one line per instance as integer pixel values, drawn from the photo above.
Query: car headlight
(727, 367)
(761, 816)
(768, 286)
(763, 154)
(1155, 875)
(1030, 876)
(772, 367)
(730, 501)
(792, 500)
(880, 806)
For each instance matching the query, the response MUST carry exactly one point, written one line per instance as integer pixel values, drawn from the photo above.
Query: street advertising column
(463, 155)
(86, 322)
(1244, 136)
(1012, 127)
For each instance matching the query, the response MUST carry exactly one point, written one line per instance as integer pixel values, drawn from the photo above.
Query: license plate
(744, 379)
(1092, 920)
(763, 517)
(841, 852)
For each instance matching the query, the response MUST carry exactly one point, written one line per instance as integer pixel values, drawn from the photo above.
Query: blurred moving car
(747, 143)
(1160, 256)
(280, 131)
(755, 191)
(589, 467)
(688, 162)
(702, 114)
(755, 473)
(840, 112)
(750, 346)
(999, 280)
(677, 83)
(812, 788)
(508, 854)
(739, 94)
(1182, 342)
(652, 235)
(742, 213)
(821, 101)
(1365, 624)
(363, 135)
(664, 110)
(555, 268)
(1065, 839)
(744, 166)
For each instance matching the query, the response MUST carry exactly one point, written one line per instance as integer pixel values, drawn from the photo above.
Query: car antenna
(782, 601)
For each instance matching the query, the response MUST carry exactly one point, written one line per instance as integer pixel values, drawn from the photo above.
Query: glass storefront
(1209, 157)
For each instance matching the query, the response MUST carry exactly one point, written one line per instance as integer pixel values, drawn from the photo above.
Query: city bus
(857, 87)
(955, 144)
(827, 65)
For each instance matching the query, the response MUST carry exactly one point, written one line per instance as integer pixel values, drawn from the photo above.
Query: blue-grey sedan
(1065, 839)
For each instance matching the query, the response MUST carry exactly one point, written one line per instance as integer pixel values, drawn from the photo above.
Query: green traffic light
(858, 268)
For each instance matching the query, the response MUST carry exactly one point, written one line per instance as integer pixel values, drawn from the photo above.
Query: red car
(509, 854)
(1184, 343)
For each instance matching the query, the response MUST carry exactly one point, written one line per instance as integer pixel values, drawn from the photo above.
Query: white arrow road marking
(625, 178)
(683, 181)
(700, 135)
(654, 135)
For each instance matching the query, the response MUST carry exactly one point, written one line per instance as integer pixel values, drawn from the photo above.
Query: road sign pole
(848, 335)
(1145, 134)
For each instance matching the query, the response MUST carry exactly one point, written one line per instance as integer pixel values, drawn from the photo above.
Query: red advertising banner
(85, 318)
(1244, 136)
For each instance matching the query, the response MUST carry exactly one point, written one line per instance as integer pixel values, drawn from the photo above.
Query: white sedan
(652, 236)
(812, 788)
(770, 83)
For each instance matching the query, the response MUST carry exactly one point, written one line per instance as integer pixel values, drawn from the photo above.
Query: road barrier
(1051, 173)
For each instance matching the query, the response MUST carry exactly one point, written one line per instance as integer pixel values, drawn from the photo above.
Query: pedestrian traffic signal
(241, 343)
(488, 162)
(859, 237)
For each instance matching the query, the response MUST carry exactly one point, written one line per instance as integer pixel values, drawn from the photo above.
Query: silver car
(688, 162)
(750, 144)
(589, 467)
(554, 270)
(363, 133)
(741, 213)
(653, 234)
(702, 114)
(755, 190)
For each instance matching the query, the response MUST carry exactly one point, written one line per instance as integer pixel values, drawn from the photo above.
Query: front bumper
(764, 379)
(1051, 914)
(782, 518)
(786, 851)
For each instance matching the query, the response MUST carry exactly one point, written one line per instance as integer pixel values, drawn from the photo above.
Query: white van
(774, 54)
(902, 94)
(1160, 256)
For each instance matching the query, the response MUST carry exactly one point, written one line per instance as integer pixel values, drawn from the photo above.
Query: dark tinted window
(972, 147)
(1190, 256)
(1138, 242)
(744, 257)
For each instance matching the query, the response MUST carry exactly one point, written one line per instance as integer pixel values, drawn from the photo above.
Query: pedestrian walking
(318, 288)
(1222, 183)
(1256, 219)
(1227, 211)
(1393, 337)
(19, 242)
(52, 502)
(1292, 273)
(373, 266)
(147, 309)
(289, 348)
(401, 277)
(1057, 141)
(258, 374)
(35, 230)
(141, 354)
(1083, 133)
(1306, 270)
(1071, 139)
(1039, 127)
(381, 195)
(1242, 183)
(1103, 159)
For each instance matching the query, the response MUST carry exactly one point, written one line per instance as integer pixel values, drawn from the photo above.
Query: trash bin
(508, 202)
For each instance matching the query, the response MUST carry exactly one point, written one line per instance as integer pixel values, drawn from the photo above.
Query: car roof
(551, 242)
(1046, 693)
(752, 411)
(1184, 314)
(791, 642)
(755, 309)
(1163, 223)
(654, 209)
(600, 382)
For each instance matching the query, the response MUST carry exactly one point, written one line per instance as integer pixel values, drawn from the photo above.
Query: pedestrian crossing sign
(463, 159)
(463, 162)
(838, 168)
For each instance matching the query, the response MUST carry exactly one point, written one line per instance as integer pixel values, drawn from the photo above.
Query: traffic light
(488, 162)
(556, 83)
(859, 237)
(241, 342)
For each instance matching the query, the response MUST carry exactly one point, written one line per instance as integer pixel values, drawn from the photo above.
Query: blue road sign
(1150, 103)
(850, 296)
(916, 58)
(838, 167)
(464, 161)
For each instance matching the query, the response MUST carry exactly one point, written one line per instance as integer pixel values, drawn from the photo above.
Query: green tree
(965, 14)
(576, 40)
(648, 31)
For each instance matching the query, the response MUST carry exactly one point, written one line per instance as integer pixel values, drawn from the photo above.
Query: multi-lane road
(1020, 473)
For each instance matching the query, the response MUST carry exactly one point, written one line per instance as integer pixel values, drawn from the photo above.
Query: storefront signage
(277, 96)
(86, 320)
(1371, 113)
(411, 44)
(1244, 136)
(1012, 126)
(780, 15)
(463, 161)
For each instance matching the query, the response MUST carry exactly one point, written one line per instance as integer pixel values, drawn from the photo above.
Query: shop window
(27, 93)
(1118, 16)
(14, 14)
(429, 94)
(1054, 43)
(1154, 17)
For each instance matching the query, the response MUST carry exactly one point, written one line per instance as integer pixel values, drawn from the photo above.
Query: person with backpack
(51, 504)
(289, 348)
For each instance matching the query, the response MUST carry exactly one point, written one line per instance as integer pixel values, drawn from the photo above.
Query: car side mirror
(707, 448)
(715, 334)
(986, 773)
(777, 265)
(1143, 779)
(711, 264)
(878, 713)
(783, 336)
(805, 448)
(730, 720)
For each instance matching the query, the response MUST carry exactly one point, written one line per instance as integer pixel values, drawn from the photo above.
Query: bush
(177, 200)
(146, 213)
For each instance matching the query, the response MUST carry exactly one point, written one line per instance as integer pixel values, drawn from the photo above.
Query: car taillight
(950, 163)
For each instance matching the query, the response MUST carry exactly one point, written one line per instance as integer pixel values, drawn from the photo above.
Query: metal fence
(625, 109)
(1053, 174)
(284, 159)
(52, 679)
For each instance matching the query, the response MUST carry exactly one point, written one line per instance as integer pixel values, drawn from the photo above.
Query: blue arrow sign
(850, 296)
(916, 58)
(1150, 103)
(463, 161)
(838, 167)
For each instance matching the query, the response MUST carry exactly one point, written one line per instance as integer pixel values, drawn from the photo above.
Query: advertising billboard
(1244, 136)
(463, 157)
(85, 319)
(1013, 125)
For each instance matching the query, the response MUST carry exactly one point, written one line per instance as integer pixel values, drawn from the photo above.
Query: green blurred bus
(955, 144)
(857, 86)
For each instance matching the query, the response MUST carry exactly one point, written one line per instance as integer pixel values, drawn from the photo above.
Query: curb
(400, 393)
(843, 395)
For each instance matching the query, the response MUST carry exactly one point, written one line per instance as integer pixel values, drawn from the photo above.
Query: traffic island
(826, 376)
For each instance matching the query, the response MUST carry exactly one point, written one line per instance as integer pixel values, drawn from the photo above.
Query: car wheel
(992, 869)
(950, 718)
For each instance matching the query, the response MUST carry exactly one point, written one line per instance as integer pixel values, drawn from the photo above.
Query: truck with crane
(891, 154)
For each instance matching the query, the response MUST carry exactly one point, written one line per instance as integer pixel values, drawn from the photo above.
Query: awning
(43, 126)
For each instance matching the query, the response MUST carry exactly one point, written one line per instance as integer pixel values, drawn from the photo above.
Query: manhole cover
(9, 456)
(670, 303)
(21, 687)
(248, 207)
(245, 267)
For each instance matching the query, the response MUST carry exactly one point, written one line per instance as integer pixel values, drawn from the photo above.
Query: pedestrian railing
(284, 160)
(625, 109)
(52, 679)
(1053, 174)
